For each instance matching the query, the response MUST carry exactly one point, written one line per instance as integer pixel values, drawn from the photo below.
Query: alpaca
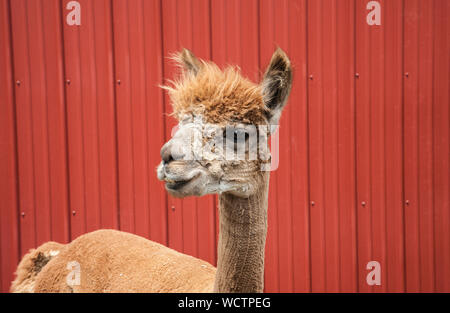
(206, 100)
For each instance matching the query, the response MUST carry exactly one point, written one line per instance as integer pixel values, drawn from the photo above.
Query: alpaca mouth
(174, 185)
(178, 184)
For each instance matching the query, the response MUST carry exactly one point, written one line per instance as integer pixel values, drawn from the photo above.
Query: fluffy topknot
(220, 96)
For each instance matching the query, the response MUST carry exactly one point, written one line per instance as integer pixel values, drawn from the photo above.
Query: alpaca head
(220, 144)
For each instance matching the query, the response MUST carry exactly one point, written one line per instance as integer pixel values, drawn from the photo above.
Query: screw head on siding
(407, 202)
(363, 203)
(22, 214)
(68, 81)
(406, 74)
(313, 203)
(311, 77)
(173, 208)
(18, 82)
(357, 75)
(74, 212)
(118, 82)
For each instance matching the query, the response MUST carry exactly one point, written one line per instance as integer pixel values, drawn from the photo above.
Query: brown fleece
(242, 238)
(31, 265)
(219, 96)
(114, 261)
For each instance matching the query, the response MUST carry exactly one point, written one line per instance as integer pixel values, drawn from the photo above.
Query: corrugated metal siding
(364, 142)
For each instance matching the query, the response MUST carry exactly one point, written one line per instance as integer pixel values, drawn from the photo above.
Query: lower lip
(177, 185)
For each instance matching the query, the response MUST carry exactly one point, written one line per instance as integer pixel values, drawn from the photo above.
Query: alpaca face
(204, 158)
(221, 142)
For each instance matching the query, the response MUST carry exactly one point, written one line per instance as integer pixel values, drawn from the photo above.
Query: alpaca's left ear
(276, 85)
(189, 61)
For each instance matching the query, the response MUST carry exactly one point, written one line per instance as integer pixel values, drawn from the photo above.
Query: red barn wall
(364, 141)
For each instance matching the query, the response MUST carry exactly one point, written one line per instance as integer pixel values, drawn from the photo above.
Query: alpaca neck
(242, 238)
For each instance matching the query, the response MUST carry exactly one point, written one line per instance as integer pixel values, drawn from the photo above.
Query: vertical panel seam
(31, 123)
(385, 250)
(16, 146)
(161, 28)
(129, 82)
(148, 206)
(83, 151)
(291, 200)
(44, 59)
(116, 128)
(66, 133)
(322, 205)
(308, 139)
(403, 144)
(258, 37)
(433, 143)
(337, 162)
(418, 157)
(355, 141)
(99, 170)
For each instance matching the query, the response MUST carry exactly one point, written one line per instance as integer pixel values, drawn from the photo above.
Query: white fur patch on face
(189, 137)
(203, 158)
(194, 139)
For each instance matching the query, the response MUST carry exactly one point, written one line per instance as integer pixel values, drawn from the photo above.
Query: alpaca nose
(169, 153)
(166, 154)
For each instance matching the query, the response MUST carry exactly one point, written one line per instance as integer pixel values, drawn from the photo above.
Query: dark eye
(237, 134)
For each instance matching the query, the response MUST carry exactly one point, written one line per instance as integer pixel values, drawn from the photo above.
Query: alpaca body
(115, 261)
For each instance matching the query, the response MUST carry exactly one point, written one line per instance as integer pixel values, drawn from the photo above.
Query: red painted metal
(9, 206)
(364, 142)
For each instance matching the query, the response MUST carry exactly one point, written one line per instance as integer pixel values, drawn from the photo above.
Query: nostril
(168, 159)
(171, 152)
(166, 155)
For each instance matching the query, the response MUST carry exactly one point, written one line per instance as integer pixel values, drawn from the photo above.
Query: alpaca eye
(237, 135)
(227, 135)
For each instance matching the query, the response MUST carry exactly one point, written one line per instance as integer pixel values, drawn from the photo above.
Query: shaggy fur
(32, 264)
(219, 96)
(115, 261)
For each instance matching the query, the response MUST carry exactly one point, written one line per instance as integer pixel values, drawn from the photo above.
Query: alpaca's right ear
(189, 61)
(276, 85)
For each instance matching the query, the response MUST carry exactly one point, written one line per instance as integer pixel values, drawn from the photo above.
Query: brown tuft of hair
(31, 265)
(219, 96)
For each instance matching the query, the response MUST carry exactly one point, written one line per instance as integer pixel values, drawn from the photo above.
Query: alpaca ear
(189, 61)
(276, 85)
